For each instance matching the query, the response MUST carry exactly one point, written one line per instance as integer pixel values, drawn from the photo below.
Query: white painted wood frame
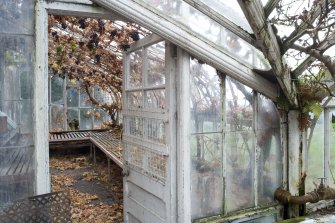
(183, 137)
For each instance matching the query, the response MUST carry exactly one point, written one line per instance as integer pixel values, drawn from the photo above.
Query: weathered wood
(40, 115)
(108, 142)
(270, 6)
(80, 8)
(294, 158)
(263, 31)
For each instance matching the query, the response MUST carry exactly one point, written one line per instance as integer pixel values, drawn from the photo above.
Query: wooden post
(295, 153)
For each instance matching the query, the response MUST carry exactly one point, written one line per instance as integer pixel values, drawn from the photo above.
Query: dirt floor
(95, 197)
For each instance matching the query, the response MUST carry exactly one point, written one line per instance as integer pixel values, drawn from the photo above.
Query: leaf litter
(95, 196)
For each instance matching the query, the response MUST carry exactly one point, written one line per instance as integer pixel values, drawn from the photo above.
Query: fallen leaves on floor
(89, 205)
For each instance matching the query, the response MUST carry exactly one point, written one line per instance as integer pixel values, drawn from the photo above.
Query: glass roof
(209, 30)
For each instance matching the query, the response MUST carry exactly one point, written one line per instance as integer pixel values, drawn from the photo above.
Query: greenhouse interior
(212, 111)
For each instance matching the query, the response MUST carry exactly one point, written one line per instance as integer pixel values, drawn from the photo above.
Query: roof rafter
(254, 12)
(217, 17)
(270, 6)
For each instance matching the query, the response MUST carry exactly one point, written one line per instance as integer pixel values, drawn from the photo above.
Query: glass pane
(332, 147)
(133, 126)
(72, 97)
(11, 77)
(155, 99)
(72, 119)
(16, 67)
(207, 188)
(231, 10)
(206, 106)
(135, 99)
(155, 130)
(100, 116)
(239, 170)
(270, 156)
(206, 147)
(86, 119)
(26, 81)
(15, 16)
(85, 100)
(11, 109)
(136, 63)
(315, 156)
(239, 112)
(57, 90)
(239, 146)
(26, 116)
(102, 96)
(57, 121)
(156, 64)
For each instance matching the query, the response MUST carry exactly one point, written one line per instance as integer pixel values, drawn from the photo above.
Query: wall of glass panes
(70, 107)
(321, 150)
(16, 100)
(236, 158)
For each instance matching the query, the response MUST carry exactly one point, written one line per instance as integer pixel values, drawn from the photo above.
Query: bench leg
(94, 157)
(91, 151)
(109, 168)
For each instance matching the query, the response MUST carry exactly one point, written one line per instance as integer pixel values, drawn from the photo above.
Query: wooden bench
(108, 142)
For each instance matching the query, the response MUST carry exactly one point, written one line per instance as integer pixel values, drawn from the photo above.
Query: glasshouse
(176, 111)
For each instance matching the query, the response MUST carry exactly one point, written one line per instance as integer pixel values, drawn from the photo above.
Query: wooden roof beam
(270, 6)
(254, 12)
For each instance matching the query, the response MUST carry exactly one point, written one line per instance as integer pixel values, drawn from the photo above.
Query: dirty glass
(239, 144)
(15, 16)
(315, 156)
(100, 116)
(206, 141)
(16, 101)
(209, 29)
(26, 85)
(231, 10)
(268, 144)
(72, 96)
(155, 99)
(135, 70)
(156, 65)
(133, 126)
(57, 90)
(26, 119)
(135, 99)
(84, 99)
(155, 130)
(72, 119)
(57, 118)
(85, 119)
